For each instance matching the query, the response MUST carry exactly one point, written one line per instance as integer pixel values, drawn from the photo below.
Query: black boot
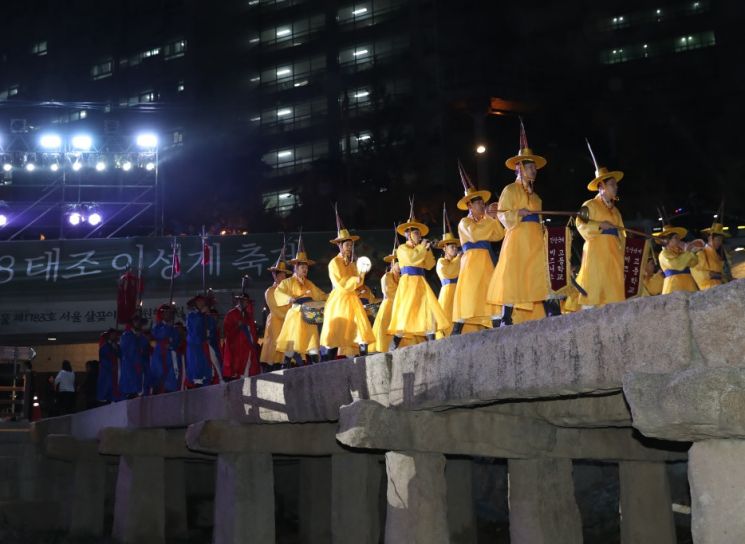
(265, 367)
(457, 328)
(314, 358)
(551, 307)
(430, 337)
(331, 354)
(395, 342)
(298, 359)
(286, 362)
(495, 322)
(507, 316)
(363, 350)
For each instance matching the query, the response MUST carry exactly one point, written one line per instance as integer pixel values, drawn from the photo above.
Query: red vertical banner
(635, 255)
(559, 241)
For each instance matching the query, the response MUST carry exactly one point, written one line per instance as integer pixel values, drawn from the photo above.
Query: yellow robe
(708, 272)
(673, 260)
(447, 269)
(274, 320)
(388, 285)
(345, 322)
(469, 302)
(521, 276)
(601, 273)
(652, 285)
(364, 292)
(297, 335)
(416, 311)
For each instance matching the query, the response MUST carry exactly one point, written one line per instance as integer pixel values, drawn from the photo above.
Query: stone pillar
(461, 513)
(175, 499)
(244, 499)
(716, 474)
(139, 509)
(355, 488)
(417, 503)
(314, 506)
(88, 497)
(646, 506)
(542, 505)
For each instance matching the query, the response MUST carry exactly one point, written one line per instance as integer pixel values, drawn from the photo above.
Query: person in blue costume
(198, 366)
(107, 386)
(213, 338)
(165, 371)
(131, 370)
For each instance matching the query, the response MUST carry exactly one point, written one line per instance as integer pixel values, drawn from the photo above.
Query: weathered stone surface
(69, 448)
(564, 355)
(542, 505)
(693, 404)
(367, 425)
(147, 442)
(716, 474)
(461, 508)
(355, 489)
(175, 501)
(417, 499)
(139, 509)
(314, 514)
(716, 325)
(608, 410)
(244, 499)
(88, 496)
(646, 506)
(279, 438)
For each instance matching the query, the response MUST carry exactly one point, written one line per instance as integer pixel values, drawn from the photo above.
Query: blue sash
(303, 300)
(483, 244)
(532, 218)
(614, 232)
(715, 276)
(412, 270)
(669, 273)
(247, 333)
(448, 281)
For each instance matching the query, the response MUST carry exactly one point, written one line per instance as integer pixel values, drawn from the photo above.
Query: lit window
(180, 87)
(286, 154)
(284, 112)
(254, 40)
(280, 202)
(282, 32)
(362, 94)
(360, 52)
(301, 83)
(83, 114)
(175, 49)
(13, 90)
(255, 79)
(284, 72)
(359, 11)
(39, 48)
(151, 52)
(102, 69)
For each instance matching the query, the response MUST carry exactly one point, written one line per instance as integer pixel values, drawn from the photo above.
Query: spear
(205, 257)
(174, 249)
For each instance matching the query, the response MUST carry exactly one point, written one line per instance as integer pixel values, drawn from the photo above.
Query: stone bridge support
(338, 493)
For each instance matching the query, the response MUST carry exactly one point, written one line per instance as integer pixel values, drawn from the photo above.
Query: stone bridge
(641, 383)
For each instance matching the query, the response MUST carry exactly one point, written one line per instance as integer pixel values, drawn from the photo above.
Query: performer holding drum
(345, 324)
(298, 337)
(388, 286)
(271, 358)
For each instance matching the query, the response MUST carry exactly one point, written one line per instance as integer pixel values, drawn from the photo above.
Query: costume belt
(669, 273)
(448, 281)
(613, 232)
(483, 244)
(715, 276)
(412, 270)
(532, 218)
(303, 300)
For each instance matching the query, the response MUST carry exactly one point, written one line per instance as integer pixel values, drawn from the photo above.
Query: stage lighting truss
(81, 214)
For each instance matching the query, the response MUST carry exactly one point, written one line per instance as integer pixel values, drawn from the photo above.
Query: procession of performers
(478, 290)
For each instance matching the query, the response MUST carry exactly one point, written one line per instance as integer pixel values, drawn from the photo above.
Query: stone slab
(146, 442)
(716, 324)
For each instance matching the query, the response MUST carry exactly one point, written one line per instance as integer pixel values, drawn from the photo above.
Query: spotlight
(83, 142)
(54, 167)
(481, 149)
(50, 141)
(3, 219)
(7, 167)
(126, 166)
(100, 166)
(74, 219)
(77, 165)
(147, 140)
(30, 167)
(94, 219)
(150, 166)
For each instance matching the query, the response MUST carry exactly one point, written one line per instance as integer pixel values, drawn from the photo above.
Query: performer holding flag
(239, 352)
(476, 231)
(520, 282)
(345, 323)
(601, 273)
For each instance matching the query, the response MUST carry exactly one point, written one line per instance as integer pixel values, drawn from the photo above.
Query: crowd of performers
(305, 325)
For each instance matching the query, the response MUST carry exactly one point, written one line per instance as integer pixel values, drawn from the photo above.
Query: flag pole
(204, 271)
(173, 270)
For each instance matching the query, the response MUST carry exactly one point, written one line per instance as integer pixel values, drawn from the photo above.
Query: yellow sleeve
(271, 302)
(442, 263)
(283, 294)
(591, 229)
(338, 279)
(653, 284)
(429, 258)
(508, 201)
(670, 261)
(316, 293)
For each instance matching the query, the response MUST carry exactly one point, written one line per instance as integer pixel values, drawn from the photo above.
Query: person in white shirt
(64, 386)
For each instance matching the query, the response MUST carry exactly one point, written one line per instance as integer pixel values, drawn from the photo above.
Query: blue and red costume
(165, 371)
(107, 386)
(131, 370)
(240, 357)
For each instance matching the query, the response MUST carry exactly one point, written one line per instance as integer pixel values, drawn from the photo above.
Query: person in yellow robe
(676, 260)
(345, 322)
(298, 338)
(416, 311)
(270, 357)
(652, 280)
(601, 272)
(448, 269)
(388, 286)
(520, 282)
(476, 231)
(709, 271)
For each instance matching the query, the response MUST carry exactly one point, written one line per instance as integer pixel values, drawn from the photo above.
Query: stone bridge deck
(598, 384)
